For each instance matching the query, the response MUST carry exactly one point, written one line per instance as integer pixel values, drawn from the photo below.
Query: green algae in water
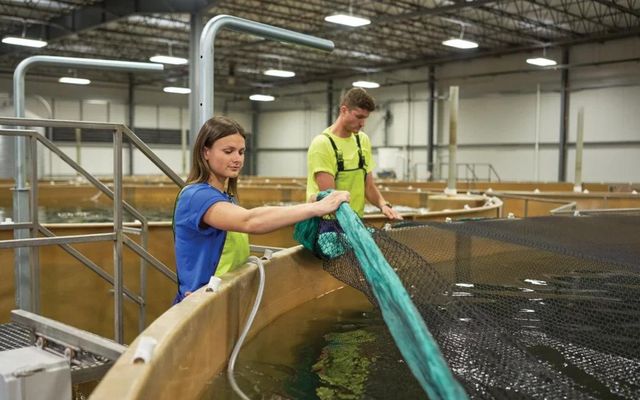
(335, 347)
(342, 368)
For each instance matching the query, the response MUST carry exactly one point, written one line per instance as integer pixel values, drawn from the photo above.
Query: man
(340, 158)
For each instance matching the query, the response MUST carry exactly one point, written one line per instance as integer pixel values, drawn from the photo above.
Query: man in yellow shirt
(340, 157)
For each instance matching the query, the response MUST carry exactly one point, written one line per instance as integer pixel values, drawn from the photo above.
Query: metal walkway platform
(90, 356)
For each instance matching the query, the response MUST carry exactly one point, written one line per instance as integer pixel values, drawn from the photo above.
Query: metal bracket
(73, 339)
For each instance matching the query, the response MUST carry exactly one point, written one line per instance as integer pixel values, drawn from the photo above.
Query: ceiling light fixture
(168, 59)
(261, 97)
(24, 41)
(348, 19)
(459, 42)
(541, 61)
(74, 81)
(176, 90)
(159, 58)
(21, 41)
(280, 73)
(366, 84)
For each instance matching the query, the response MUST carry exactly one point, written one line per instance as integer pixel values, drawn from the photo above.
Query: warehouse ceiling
(402, 33)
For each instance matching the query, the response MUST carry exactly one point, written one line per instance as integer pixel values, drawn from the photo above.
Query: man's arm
(374, 197)
(325, 181)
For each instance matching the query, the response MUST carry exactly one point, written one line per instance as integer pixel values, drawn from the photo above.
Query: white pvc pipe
(577, 186)
(536, 151)
(453, 140)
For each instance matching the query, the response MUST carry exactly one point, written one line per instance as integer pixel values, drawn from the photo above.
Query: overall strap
(340, 158)
(337, 152)
(360, 155)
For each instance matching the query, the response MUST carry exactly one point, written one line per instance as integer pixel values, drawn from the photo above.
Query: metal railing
(593, 211)
(471, 172)
(565, 205)
(118, 236)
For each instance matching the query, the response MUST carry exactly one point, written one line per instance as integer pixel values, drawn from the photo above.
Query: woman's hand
(331, 203)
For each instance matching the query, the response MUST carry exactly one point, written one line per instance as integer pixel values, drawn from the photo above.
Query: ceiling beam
(92, 16)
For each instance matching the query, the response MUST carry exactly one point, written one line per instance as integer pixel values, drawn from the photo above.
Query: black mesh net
(543, 308)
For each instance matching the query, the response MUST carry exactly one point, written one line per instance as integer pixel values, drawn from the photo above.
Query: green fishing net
(323, 237)
(403, 319)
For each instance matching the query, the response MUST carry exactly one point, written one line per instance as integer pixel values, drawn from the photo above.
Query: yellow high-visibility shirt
(322, 158)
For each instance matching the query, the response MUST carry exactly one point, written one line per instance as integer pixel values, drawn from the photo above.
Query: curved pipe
(23, 67)
(19, 92)
(245, 330)
(206, 62)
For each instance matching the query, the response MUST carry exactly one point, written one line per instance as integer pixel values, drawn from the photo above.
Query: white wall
(497, 119)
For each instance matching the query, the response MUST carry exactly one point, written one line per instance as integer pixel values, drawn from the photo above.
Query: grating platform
(14, 336)
(90, 356)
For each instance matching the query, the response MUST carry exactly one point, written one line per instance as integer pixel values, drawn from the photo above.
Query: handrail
(491, 169)
(26, 264)
(471, 168)
(596, 211)
(118, 236)
(569, 207)
(56, 123)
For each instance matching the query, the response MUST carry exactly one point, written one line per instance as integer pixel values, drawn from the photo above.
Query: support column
(255, 117)
(329, 102)
(431, 120)
(564, 117)
(577, 185)
(132, 108)
(453, 141)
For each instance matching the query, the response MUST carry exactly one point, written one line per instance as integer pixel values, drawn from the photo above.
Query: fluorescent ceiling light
(176, 89)
(348, 20)
(366, 84)
(20, 41)
(280, 73)
(460, 43)
(74, 81)
(541, 61)
(261, 97)
(97, 101)
(168, 60)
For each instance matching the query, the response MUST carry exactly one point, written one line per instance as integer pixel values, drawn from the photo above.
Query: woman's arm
(230, 217)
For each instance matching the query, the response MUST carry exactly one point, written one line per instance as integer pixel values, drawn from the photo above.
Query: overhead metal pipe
(196, 25)
(206, 61)
(25, 297)
(23, 67)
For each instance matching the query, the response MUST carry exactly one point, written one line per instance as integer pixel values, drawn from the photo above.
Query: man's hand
(389, 212)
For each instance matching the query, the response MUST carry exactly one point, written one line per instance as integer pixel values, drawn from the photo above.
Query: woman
(210, 228)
